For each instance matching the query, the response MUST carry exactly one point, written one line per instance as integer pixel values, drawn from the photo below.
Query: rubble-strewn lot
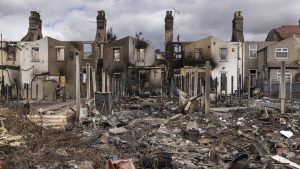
(155, 133)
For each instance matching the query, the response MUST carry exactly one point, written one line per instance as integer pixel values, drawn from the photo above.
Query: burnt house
(43, 68)
(131, 68)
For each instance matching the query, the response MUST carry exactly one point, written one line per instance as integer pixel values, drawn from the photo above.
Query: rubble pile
(159, 134)
(161, 131)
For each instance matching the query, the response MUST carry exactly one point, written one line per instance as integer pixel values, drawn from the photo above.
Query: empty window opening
(117, 54)
(60, 53)
(35, 54)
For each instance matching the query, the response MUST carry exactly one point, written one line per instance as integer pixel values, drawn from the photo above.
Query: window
(223, 80)
(141, 55)
(35, 54)
(223, 54)
(117, 54)
(198, 54)
(253, 77)
(83, 75)
(252, 50)
(177, 51)
(158, 54)
(287, 74)
(11, 56)
(87, 50)
(60, 53)
(281, 53)
(178, 56)
(11, 52)
(252, 72)
(177, 48)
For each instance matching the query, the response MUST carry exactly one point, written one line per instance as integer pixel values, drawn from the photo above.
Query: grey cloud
(70, 20)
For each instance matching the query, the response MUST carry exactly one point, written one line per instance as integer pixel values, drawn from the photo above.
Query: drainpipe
(77, 75)
(2, 83)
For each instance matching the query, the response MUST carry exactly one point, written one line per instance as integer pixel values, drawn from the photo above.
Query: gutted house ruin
(44, 68)
(48, 68)
(131, 67)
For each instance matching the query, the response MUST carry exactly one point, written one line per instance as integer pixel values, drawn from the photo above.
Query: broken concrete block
(118, 164)
(104, 138)
(192, 125)
(117, 130)
(86, 165)
(287, 134)
(204, 140)
(83, 113)
(163, 130)
(285, 161)
(281, 148)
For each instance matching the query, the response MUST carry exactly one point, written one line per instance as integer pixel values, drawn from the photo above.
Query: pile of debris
(160, 134)
(253, 136)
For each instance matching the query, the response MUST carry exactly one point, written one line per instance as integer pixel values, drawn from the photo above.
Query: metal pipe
(77, 88)
(2, 79)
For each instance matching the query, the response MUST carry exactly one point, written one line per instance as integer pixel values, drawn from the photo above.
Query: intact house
(271, 56)
(131, 68)
(283, 32)
(250, 62)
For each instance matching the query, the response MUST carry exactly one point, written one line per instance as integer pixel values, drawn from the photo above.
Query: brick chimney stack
(237, 27)
(169, 23)
(35, 27)
(101, 35)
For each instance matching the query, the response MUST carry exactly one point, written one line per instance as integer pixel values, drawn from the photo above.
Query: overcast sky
(196, 19)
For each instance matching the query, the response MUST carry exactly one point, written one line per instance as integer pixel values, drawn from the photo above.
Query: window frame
(87, 54)
(222, 60)
(38, 52)
(177, 50)
(64, 53)
(277, 50)
(114, 57)
(251, 50)
(197, 54)
(141, 58)
(253, 73)
(287, 72)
